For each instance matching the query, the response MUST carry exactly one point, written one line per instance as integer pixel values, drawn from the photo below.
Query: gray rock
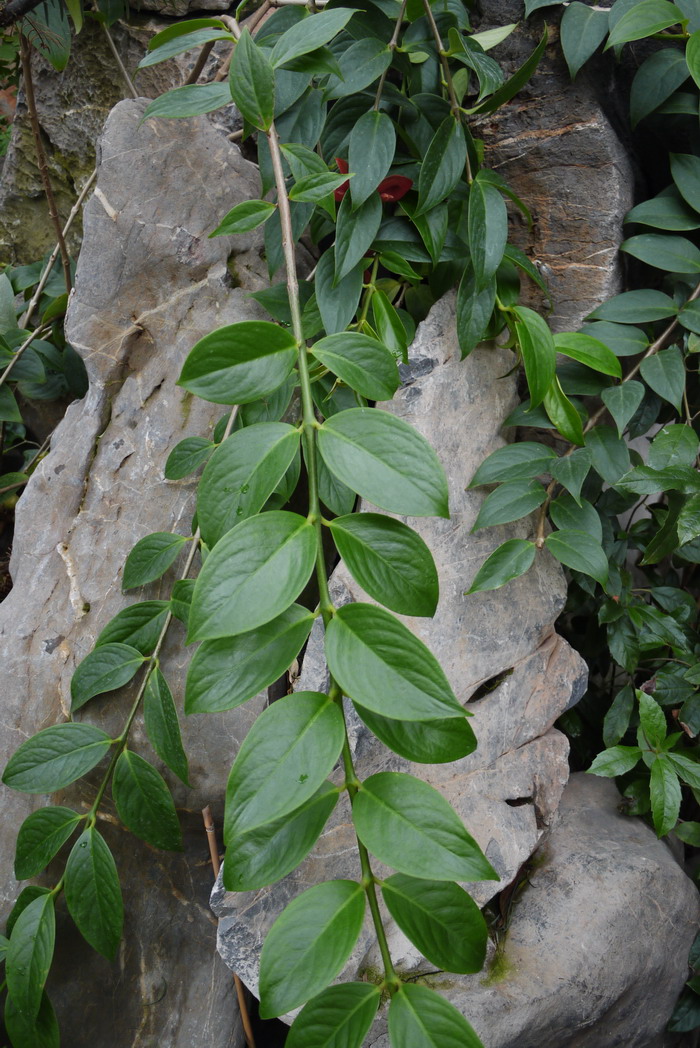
(179, 8)
(149, 284)
(595, 952)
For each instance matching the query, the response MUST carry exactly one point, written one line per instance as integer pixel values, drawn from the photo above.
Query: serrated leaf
(241, 475)
(339, 1017)
(664, 372)
(243, 218)
(190, 100)
(688, 769)
(389, 560)
(511, 560)
(408, 825)
(636, 307)
(441, 919)
(40, 837)
(386, 668)
(42, 1033)
(653, 719)
(385, 460)
(644, 19)
(308, 944)
(360, 361)
(422, 1018)
(93, 895)
(239, 363)
(571, 470)
(162, 725)
(370, 154)
(137, 626)
(309, 33)
(617, 760)
(252, 575)
(151, 557)
(260, 657)
(509, 502)
(522, 461)
(144, 802)
(29, 956)
(665, 794)
(106, 668)
(582, 30)
(580, 551)
(337, 302)
(538, 353)
(617, 718)
(443, 164)
(55, 757)
(487, 230)
(251, 81)
(622, 401)
(270, 852)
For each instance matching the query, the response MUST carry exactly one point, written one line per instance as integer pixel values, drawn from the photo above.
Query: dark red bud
(394, 187)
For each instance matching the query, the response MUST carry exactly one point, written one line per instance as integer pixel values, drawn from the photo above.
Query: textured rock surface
(509, 789)
(146, 259)
(596, 950)
(179, 8)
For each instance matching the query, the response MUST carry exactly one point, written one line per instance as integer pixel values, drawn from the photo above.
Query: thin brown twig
(25, 345)
(392, 47)
(118, 61)
(240, 989)
(454, 103)
(200, 63)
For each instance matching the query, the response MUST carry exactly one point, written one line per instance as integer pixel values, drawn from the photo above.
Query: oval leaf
(589, 351)
(580, 551)
(370, 153)
(251, 81)
(151, 557)
(510, 502)
(93, 895)
(424, 742)
(162, 725)
(361, 362)
(107, 668)
(29, 955)
(538, 352)
(421, 1018)
(138, 626)
(55, 757)
(144, 802)
(40, 837)
(511, 560)
(339, 1017)
(243, 218)
(239, 363)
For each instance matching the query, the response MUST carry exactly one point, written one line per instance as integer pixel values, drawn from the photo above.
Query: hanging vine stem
(447, 77)
(392, 47)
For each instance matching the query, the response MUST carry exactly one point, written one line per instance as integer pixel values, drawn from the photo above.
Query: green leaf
(385, 460)
(665, 794)
(689, 317)
(441, 919)
(422, 1018)
(692, 56)
(370, 154)
(55, 757)
(361, 362)
(653, 719)
(617, 718)
(190, 100)
(283, 761)
(644, 19)
(362, 64)
(388, 325)
(674, 254)
(689, 832)
(144, 803)
(106, 668)
(162, 725)
(29, 956)
(252, 575)
(642, 480)
(251, 80)
(515, 82)
(538, 353)
(160, 51)
(9, 410)
(339, 1017)
(316, 187)
(512, 559)
(239, 363)
(571, 470)
(510, 502)
(636, 307)
(568, 514)
(563, 413)
(138, 626)
(40, 837)
(655, 81)
(474, 309)
(260, 656)
(665, 373)
(386, 668)
(333, 493)
(408, 825)
(42, 1033)
(589, 351)
(443, 164)
(688, 769)
(270, 852)
(665, 211)
(93, 895)
(523, 461)
(611, 458)
(688, 524)
(48, 30)
(243, 218)
(241, 475)
(487, 230)
(674, 445)
(685, 169)
(151, 557)
(625, 341)
(337, 302)
(436, 741)
(187, 456)
(355, 232)
(622, 401)
(581, 32)
(310, 33)
(580, 551)
(389, 560)
(308, 945)
(617, 760)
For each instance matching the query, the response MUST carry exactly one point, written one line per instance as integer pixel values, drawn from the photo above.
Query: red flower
(391, 188)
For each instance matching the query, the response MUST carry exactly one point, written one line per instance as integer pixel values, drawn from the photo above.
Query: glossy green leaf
(441, 919)
(689, 317)
(285, 757)
(309, 33)
(251, 81)
(422, 1018)
(355, 232)
(522, 461)
(436, 741)
(571, 470)
(162, 725)
(386, 668)
(40, 837)
(611, 457)
(618, 716)
(410, 826)
(665, 211)
(370, 154)
(616, 761)
(243, 218)
(239, 363)
(360, 361)
(339, 1017)
(563, 413)
(674, 445)
(644, 19)
(339, 498)
(252, 575)
(685, 169)
(190, 100)
(181, 599)
(589, 351)
(622, 339)
(512, 559)
(474, 309)
(665, 373)
(308, 945)
(568, 514)
(55, 757)
(622, 401)
(656, 79)
(692, 56)
(260, 657)
(337, 302)
(106, 668)
(9, 409)
(487, 230)
(360, 65)
(268, 853)
(636, 307)
(389, 560)
(688, 524)
(187, 456)
(151, 557)
(144, 802)
(388, 325)
(137, 626)
(688, 769)
(674, 254)
(580, 551)
(514, 83)
(652, 718)
(93, 895)
(642, 480)
(385, 460)
(29, 955)
(241, 475)
(43, 1032)
(443, 164)
(509, 502)
(177, 45)
(665, 794)
(582, 30)
(538, 353)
